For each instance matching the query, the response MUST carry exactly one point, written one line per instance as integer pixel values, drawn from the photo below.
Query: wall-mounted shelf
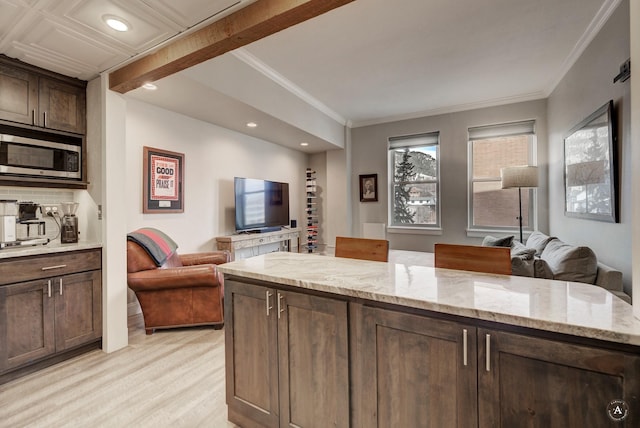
(311, 212)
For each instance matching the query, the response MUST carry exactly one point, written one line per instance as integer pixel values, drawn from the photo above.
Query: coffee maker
(8, 213)
(69, 223)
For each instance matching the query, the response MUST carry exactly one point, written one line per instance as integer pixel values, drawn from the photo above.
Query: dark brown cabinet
(48, 314)
(40, 98)
(288, 364)
(286, 358)
(533, 382)
(414, 371)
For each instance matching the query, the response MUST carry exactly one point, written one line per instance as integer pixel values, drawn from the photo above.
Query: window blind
(427, 139)
(526, 127)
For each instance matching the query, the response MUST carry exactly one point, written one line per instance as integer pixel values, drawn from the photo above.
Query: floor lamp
(519, 176)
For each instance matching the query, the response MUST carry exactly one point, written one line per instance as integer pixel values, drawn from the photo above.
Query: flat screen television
(261, 205)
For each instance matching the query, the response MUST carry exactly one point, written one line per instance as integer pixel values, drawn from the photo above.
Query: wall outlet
(49, 210)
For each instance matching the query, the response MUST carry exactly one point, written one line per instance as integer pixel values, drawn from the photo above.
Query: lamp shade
(519, 176)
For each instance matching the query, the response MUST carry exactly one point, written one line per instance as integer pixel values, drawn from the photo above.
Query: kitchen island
(318, 341)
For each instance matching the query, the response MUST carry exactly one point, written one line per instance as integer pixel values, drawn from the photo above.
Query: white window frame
(408, 141)
(525, 127)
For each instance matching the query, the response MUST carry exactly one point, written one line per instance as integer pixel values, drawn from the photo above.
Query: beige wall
(213, 157)
(369, 156)
(587, 86)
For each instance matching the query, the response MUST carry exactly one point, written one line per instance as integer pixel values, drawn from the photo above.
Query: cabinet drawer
(28, 268)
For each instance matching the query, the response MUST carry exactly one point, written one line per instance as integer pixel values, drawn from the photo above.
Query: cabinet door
(251, 354)
(18, 95)
(415, 371)
(314, 364)
(62, 106)
(533, 382)
(26, 323)
(78, 313)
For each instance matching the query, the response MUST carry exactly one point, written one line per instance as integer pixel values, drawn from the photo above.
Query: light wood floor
(173, 378)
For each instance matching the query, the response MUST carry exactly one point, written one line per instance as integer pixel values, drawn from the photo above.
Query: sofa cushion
(570, 263)
(541, 269)
(492, 241)
(539, 241)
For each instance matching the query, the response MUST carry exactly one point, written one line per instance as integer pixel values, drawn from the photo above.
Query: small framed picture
(369, 188)
(163, 176)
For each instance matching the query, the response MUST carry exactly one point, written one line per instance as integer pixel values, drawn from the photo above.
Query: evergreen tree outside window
(490, 149)
(414, 166)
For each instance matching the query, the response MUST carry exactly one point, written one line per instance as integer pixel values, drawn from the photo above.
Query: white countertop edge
(50, 248)
(630, 335)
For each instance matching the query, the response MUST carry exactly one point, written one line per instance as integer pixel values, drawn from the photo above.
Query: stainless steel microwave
(39, 158)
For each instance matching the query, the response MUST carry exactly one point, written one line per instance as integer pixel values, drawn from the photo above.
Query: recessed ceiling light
(251, 125)
(304, 144)
(116, 23)
(150, 86)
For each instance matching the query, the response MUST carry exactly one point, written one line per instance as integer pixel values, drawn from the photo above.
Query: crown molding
(603, 15)
(252, 61)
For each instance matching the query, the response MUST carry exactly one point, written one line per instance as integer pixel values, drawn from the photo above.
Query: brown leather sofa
(187, 290)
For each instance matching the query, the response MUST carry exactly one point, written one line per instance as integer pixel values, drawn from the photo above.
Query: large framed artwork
(163, 181)
(590, 167)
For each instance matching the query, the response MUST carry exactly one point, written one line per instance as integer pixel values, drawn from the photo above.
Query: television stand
(232, 243)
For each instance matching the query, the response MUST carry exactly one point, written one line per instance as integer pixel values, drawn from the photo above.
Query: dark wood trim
(254, 22)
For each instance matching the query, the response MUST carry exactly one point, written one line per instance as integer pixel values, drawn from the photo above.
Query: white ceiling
(367, 62)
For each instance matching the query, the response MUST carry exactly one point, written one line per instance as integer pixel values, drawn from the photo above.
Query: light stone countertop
(50, 248)
(558, 306)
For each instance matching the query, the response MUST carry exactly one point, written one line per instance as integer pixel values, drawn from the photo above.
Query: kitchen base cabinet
(44, 318)
(306, 359)
(533, 382)
(414, 371)
(286, 358)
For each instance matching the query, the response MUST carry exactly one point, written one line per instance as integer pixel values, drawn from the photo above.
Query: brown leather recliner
(187, 290)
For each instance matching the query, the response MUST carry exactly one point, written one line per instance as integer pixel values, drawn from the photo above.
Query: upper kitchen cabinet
(40, 98)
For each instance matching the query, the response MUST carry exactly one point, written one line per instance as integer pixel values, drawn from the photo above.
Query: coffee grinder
(69, 223)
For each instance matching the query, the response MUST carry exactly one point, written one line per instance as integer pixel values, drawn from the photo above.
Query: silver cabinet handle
(280, 305)
(44, 115)
(54, 267)
(33, 116)
(464, 346)
(267, 300)
(488, 357)
(61, 286)
(49, 288)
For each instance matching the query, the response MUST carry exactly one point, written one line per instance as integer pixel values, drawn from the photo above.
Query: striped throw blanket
(158, 245)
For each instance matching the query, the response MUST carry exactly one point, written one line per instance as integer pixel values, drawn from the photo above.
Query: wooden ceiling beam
(258, 20)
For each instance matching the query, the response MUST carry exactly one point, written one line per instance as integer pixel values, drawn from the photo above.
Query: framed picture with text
(369, 188)
(163, 181)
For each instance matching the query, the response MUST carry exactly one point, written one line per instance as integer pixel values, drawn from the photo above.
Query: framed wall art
(163, 181)
(590, 167)
(369, 188)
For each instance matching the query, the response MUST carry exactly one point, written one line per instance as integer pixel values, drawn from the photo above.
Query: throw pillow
(519, 250)
(571, 263)
(491, 241)
(539, 241)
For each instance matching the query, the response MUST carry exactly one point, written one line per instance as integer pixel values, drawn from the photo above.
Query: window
(414, 165)
(491, 148)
